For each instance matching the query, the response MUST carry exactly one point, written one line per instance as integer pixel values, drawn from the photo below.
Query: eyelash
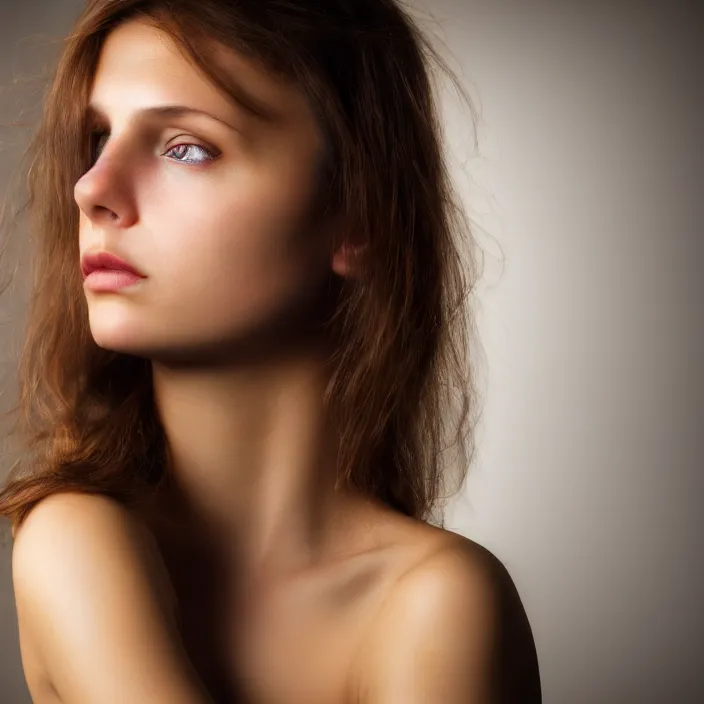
(96, 135)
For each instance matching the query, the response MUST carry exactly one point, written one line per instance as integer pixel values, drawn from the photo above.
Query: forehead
(140, 66)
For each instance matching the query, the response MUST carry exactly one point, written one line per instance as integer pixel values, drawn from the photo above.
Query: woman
(241, 346)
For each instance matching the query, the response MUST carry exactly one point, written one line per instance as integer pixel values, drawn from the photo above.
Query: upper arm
(89, 600)
(441, 637)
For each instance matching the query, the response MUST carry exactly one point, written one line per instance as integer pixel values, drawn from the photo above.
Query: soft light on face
(214, 211)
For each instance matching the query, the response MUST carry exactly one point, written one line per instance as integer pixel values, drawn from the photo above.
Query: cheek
(240, 255)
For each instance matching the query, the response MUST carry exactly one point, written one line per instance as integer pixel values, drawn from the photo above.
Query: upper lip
(91, 261)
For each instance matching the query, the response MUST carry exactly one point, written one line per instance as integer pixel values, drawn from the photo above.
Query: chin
(117, 331)
(129, 338)
(122, 344)
(125, 329)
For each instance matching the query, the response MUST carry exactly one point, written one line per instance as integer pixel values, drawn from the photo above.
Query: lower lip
(106, 280)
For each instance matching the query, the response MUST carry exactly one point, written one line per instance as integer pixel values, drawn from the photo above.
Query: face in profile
(212, 208)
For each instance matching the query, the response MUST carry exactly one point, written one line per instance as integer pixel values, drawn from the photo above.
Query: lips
(97, 261)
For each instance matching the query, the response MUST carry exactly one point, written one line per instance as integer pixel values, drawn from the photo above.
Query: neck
(253, 456)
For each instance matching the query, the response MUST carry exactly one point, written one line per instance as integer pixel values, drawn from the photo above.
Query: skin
(251, 578)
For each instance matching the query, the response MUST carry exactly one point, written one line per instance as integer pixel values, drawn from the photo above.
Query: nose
(104, 196)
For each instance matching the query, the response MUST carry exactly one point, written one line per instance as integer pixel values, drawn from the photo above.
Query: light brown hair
(86, 416)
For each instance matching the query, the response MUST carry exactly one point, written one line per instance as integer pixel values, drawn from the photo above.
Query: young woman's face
(213, 211)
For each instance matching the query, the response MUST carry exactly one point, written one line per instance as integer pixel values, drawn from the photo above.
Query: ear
(346, 246)
(346, 259)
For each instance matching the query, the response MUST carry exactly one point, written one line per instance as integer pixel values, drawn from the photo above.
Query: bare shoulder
(64, 530)
(452, 628)
(93, 607)
(71, 513)
(82, 531)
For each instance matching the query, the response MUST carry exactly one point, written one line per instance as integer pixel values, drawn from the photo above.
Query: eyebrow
(94, 111)
(243, 99)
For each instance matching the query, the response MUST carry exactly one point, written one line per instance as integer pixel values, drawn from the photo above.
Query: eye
(185, 148)
(181, 150)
